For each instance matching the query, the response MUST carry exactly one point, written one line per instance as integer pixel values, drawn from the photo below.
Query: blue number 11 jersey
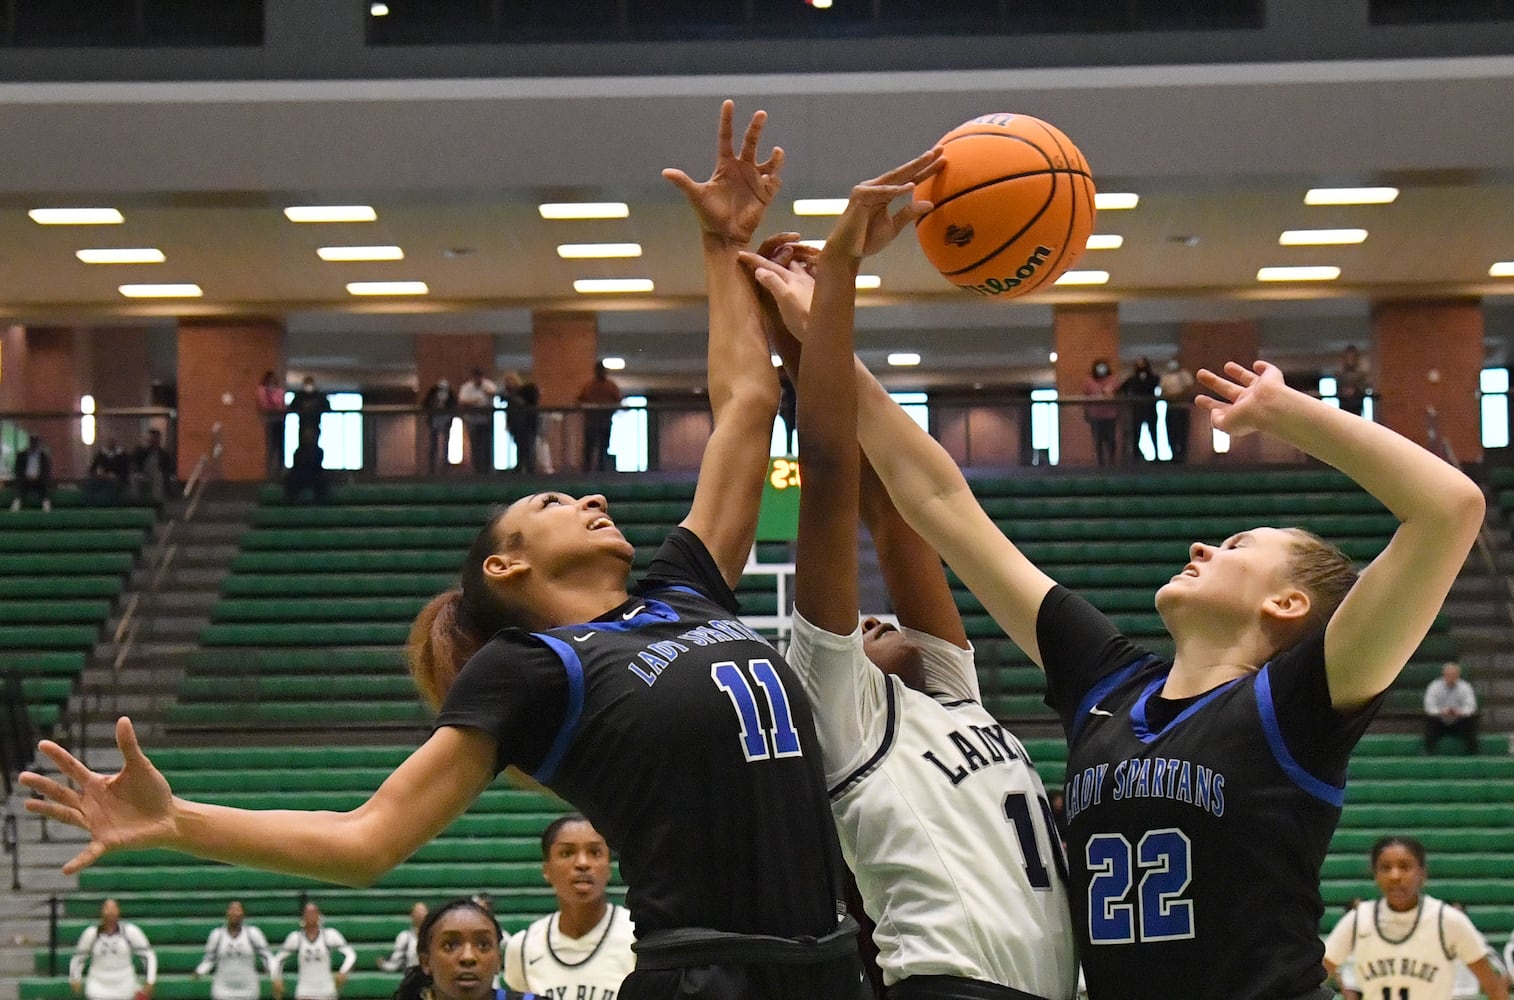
(1196, 827)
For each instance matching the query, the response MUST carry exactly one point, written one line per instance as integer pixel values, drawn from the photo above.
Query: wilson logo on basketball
(959, 236)
(1026, 271)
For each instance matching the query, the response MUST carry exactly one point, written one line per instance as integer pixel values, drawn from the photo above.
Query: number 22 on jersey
(759, 742)
(1164, 858)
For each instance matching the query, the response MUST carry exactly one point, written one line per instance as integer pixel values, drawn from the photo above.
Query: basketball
(1013, 206)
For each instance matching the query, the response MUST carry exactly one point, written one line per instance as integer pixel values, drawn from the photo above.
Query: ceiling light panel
(76, 216)
(868, 282)
(121, 255)
(388, 288)
(597, 251)
(584, 210)
(1322, 237)
(1105, 241)
(330, 213)
(167, 291)
(1351, 196)
(1503, 269)
(1084, 278)
(904, 359)
(1318, 273)
(1115, 201)
(338, 254)
(819, 206)
(603, 286)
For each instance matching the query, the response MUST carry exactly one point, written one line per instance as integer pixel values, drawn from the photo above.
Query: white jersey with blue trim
(1412, 955)
(942, 817)
(109, 956)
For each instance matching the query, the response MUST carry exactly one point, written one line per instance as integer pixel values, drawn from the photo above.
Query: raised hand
(1247, 397)
(786, 271)
(130, 809)
(731, 203)
(866, 226)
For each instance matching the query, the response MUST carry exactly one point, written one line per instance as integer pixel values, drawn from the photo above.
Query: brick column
(1210, 345)
(220, 363)
(1430, 353)
(1082, 334)
(564, 347)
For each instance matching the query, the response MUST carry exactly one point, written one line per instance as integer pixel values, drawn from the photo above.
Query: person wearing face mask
(269, 398)
(309, 404)
(1177, 392)
(1141, 387)
(440, 404)
(1103, 418)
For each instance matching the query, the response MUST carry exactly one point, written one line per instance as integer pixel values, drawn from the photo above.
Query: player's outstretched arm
(1387, 613)
(135, 808)
(924, 483)
(743, 389)
(825, 588)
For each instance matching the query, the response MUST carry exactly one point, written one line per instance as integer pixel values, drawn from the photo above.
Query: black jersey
(1196, 827)
(685, 739)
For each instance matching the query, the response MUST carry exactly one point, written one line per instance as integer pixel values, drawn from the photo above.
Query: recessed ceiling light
(1114, 201)
(378, 10)
(178, 291)
(1320, 273)
(1084, 278)
(601, 286)
(1351, 196)
(330, 213)
(387, 288)
(613, 364)
(584, 210)
(76, 216)
(1052, 357)
(360, 253)
(903, 359)
(868, 282)
(819, 206)
(1503, 269)
(820, 4)
(121, 255)
(1105, 241)
(597, 251)
(1321, 237)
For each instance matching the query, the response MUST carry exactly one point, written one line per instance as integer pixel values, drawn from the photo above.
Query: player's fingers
(723, 134)
(681, 181)
(55, 811)
(1217, 384)
(126, 741)
(905, 171)
(773, 164)
(84, 858)
(758, 263)
(66, 762)
(54, 790)
(1240, 373)
(775, 243)
(909, 213)
(753, 135)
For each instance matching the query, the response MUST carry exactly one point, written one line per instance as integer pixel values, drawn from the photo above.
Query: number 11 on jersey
(759, 742)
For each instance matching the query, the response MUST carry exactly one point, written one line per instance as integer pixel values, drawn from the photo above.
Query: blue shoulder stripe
(1322, 790)
(1101, 690)
(571, 716)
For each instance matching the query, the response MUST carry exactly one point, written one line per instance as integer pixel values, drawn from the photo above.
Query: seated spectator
(151, 468)
(109, 473)
(1450, 709)
(307, 471)
(33, 474)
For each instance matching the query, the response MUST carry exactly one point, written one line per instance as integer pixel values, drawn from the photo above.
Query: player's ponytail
(414, 984)
(455, 624)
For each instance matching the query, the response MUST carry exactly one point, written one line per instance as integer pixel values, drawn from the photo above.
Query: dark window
(131, 23)
(433, 22)
(561, 20)
(1386, 12)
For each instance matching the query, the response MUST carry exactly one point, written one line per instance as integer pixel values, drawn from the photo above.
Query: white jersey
(315, 981)
(1405, 956)
(404, 954)
(112, 975)
(942, 818)
(235, 958)
(543, 960)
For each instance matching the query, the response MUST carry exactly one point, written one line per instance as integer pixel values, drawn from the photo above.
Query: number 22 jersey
(1196, 827)
(685, 739)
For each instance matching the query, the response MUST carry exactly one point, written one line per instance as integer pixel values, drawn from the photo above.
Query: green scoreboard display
(778, 518)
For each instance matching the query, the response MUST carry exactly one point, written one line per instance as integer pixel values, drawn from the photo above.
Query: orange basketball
(1013, 206)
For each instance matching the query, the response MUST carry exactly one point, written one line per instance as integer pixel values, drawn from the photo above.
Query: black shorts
(953, 988)
(840, 978)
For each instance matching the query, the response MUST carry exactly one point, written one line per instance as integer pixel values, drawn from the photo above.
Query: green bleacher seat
(299, 715)
(47, 636)
(58, 587)
(64, 563)
(58, 611)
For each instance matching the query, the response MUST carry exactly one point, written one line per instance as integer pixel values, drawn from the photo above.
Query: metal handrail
(1487, 542)
(125, 635)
